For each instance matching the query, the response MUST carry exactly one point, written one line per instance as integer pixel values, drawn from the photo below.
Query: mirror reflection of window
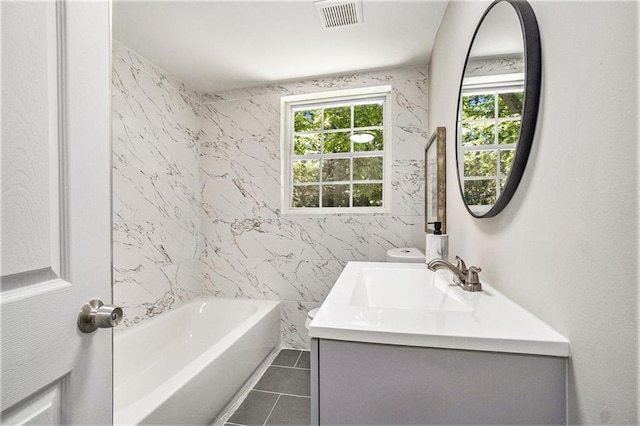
(491, 112)
(491, 133)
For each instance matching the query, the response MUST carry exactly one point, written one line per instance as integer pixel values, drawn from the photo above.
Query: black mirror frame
(533, 80)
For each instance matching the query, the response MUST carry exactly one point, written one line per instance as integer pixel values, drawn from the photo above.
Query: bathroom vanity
(399, 344)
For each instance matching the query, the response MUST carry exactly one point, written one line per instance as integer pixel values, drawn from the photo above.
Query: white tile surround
(197, 195)
(156, 198)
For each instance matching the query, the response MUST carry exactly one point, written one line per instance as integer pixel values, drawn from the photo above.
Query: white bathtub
(185, 365)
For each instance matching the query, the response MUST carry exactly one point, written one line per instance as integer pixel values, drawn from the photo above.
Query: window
(490, 128)
(336, 151)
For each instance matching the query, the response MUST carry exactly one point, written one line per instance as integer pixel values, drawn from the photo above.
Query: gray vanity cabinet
(374, 384)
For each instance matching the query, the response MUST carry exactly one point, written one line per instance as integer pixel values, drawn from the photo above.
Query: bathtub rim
(136, 411)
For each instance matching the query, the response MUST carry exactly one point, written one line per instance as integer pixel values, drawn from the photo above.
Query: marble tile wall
(196, 195)
(250, 249)
(156, 197)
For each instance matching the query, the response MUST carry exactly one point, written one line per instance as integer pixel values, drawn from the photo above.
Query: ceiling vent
(339, 13)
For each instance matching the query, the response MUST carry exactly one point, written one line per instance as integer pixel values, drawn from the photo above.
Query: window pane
(336, 169)
(508, 132)
(367, 195)
(478, 134)
(337, 118)
(308, 120)
(480, 192)
(337, 142)
(510, 104)
(506, 161)
(368, 168)
(306, 171)
(377, 144)
(367, 115)
(480, 163)
(308, 144)
(306, 196)
(476, 107)
(335, 196)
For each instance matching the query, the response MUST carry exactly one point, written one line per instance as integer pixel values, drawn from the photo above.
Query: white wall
(566, 247)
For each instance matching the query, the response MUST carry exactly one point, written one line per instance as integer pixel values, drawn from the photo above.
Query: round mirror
(498, 106)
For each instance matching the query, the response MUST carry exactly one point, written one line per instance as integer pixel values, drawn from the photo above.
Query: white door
(55, 211)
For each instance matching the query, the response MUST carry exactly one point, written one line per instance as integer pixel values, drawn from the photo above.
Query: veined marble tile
(241, 119)
(344, 81)
(228, 276)
(412, 73)
(298, 280)
(277, 279)
(139, 245)
(155, 148)
(140, 145)
(209, 98)
(247, 93)
(309, 238)
(136, 94)
(409, 142)
(152, 291)
(292, 317)
(151, 196)
(387, 232)
(407, 188)
(185, 279)
(340, 82)
(241, 158)
(156, 178)
(410, 107)
(121, 51)
(241, 198)
(490, 66)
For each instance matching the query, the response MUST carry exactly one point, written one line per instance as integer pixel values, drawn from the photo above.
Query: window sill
(328, 211)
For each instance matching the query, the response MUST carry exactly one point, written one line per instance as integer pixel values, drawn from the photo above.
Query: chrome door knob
(96, 314)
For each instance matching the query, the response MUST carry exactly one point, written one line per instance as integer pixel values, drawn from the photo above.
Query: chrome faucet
(467, 277)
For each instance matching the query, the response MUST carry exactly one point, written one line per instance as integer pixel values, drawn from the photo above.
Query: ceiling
(218, 45)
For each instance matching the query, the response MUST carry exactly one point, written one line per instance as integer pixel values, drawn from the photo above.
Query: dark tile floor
(281, 396)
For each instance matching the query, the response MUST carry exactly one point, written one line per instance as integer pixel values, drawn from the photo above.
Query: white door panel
(56, 220)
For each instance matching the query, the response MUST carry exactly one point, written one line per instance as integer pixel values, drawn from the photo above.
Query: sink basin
(407, 304)
(406, 289)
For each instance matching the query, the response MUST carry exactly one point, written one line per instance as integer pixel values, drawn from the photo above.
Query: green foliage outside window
(490, 130)
(306, 196)
(337, 118)
(306, 171)
(337, 142)
(480, 192)
(367, 195)
(331, 182)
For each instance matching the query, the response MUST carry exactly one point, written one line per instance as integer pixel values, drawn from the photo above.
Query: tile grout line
(247, 387)
(290, 368)
(281, 393)
(272, 408)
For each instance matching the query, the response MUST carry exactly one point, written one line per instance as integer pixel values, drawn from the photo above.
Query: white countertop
(491, 323)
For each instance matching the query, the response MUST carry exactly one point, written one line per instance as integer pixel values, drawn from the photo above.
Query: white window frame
(324, 99)
(500, 83)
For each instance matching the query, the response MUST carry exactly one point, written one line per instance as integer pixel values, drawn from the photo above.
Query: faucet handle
(462, 267)
(472, 283)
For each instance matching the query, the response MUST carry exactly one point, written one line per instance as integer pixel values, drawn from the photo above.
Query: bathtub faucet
(467, 278)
